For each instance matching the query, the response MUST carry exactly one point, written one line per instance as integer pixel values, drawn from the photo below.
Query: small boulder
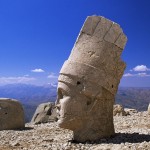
(119, 110)
(148, 109)
(130, 111)
(45, 112)
(11, 114)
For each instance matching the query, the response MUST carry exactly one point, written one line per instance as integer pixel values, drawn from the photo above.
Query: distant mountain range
(31, 96)
(137, 98)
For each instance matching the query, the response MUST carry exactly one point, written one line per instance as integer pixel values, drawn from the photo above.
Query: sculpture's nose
(58, 106)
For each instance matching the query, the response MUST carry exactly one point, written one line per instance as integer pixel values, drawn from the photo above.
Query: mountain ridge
(32, 95)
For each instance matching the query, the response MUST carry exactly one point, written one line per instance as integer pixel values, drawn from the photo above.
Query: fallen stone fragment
(130, 111)
(11, 114)
(44, 113)
(119, 110)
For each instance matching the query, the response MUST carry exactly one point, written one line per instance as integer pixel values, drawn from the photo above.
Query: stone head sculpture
(89, 80)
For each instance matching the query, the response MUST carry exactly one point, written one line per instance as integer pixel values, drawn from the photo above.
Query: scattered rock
(119, 110)
(44, 113)
(130, 111)
(11, 114)
(15, 144)
(132, 132)
(148, 109)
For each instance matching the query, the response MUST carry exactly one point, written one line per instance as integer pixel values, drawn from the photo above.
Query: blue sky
(36, 37)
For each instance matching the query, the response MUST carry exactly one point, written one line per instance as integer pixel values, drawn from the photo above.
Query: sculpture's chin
(63, 123)
(68, 123)
(60, 122)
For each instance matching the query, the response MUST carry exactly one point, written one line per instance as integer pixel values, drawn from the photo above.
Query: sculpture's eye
(78, 82)
(88, 102)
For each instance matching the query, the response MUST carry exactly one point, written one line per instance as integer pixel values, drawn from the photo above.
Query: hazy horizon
(55, 85)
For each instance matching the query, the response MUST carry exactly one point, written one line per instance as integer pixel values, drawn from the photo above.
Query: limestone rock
(44, 113)
(89, 80)
(119, 110)
(148, 109)
(11, 114)
(130, 111)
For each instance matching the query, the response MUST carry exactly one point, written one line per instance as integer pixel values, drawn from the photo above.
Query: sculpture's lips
(61, 121)
(65, 122)
(66, 115)
(65, 118)
(61, 118)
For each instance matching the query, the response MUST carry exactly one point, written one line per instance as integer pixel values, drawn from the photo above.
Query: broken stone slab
(119, 110)
(45, 112)
(11, 114)
(89, 80)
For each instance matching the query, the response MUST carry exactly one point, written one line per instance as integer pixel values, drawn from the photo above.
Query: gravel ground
(132, 132)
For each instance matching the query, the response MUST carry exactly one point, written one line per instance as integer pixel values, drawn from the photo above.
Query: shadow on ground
(121, 138)
(26, 128)
(129, 137)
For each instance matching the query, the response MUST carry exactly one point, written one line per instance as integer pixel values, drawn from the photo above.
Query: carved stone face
(75, 108)
(82, 113)
(72, 107)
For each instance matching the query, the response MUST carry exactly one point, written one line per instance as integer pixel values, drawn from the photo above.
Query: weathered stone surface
(44, 113)
(89, 80)
(148, 109)
(119, 110)
(11, 114)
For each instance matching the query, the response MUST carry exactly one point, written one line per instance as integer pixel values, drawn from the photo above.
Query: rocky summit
(132, 132)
